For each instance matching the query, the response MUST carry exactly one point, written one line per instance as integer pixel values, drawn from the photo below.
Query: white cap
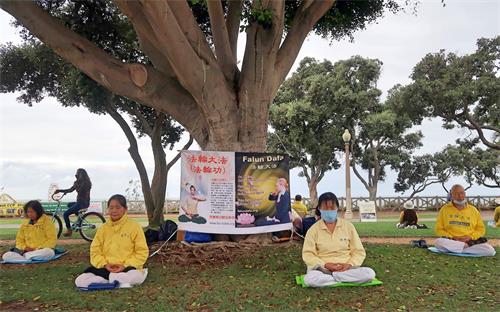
(409, 205)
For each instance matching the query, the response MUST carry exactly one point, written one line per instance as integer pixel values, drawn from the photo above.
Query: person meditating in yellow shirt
(118, 251)
(36, 237)
(460, 227)
(332, 249)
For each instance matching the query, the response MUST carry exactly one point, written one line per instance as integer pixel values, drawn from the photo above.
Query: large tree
(379, 141)
(34, 71)
(186, 64)
(314, 107)
(463, 90)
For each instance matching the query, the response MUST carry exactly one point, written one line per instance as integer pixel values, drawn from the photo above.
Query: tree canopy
(179, 57)
(315, 105)
(35, 71)
(463, 90)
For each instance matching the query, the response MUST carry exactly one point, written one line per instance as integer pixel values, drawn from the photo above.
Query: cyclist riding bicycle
(82, 186)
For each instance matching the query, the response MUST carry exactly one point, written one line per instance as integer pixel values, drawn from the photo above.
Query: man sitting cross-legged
(460, 227)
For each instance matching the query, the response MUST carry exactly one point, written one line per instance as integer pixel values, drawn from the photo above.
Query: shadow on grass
(263, 280)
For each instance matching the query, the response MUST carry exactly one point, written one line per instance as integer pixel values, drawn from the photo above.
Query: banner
(95, 206)
(234, 193)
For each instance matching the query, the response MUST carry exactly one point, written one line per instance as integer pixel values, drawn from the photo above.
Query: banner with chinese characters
(234, 193)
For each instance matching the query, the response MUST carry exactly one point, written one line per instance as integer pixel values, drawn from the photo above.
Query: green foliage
(35, 71)
(345, 17)
(382, 139)
(414, 279)
(314, 106)
(101, 22)
(462, 90)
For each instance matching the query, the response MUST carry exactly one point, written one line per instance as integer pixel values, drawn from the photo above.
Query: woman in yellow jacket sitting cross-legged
(118, 251)
(36, 237)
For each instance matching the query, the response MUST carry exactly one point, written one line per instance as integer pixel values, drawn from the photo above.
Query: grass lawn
(365, 229)
(414, 279)
(388, 229)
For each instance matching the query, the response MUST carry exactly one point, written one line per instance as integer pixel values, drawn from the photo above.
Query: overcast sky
(46, 143)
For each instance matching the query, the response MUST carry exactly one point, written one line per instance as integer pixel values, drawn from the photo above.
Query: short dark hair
(328, 196)
(192, 187)
(36, 206)
(120, 198)
(298, 197)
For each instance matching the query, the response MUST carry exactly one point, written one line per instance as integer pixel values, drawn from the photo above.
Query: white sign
(95, 206)
(367, 211)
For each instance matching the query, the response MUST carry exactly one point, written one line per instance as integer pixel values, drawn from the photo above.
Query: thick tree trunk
(244, 130)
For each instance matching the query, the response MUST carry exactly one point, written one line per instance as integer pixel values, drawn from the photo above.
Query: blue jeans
(73, 208)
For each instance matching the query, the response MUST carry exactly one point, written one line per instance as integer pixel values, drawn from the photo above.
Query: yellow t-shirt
(342, 246)
(300, 208)
(496, 217)
(121, 242)
(40, 235)
(452, 222)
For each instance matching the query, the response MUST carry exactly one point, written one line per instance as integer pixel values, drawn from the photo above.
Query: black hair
(328, 196)
(36, 206)
(120, 198)
(82, 179)
(298, 197)
(192, 186)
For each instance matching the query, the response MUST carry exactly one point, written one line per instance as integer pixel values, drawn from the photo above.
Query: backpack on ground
(167, 230)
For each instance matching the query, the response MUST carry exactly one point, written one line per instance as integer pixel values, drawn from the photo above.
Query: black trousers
(103, 272)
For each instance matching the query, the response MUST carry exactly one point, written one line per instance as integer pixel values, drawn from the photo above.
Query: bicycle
(86, 222)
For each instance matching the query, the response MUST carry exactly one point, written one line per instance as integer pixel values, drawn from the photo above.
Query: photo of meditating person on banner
(189, 206)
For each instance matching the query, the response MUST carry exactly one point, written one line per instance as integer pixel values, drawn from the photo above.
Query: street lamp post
(348, 212)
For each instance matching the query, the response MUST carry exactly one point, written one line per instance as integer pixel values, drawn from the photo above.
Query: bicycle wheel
(91, 221)
(57, 223)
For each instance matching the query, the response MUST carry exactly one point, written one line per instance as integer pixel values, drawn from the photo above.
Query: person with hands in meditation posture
(118, 251)
(36, 237)
(460, 227)
(332, 250)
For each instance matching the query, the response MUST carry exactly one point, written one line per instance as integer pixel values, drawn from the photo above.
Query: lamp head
(346, 136)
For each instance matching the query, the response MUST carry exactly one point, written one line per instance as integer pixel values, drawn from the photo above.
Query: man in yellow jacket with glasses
(118, 251)
(460, 227)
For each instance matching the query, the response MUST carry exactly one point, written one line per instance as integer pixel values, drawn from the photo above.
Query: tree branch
(480, 132)
(355, 170)
(235, 8)
(131, 80)
(305, 18)
(176, 158)
(225, 57)
(306, 174)
(149, 44)
(139, 82)
(134, 153)
(133, 111)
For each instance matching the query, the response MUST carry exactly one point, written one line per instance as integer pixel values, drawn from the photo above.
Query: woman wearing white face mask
(332, 249)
